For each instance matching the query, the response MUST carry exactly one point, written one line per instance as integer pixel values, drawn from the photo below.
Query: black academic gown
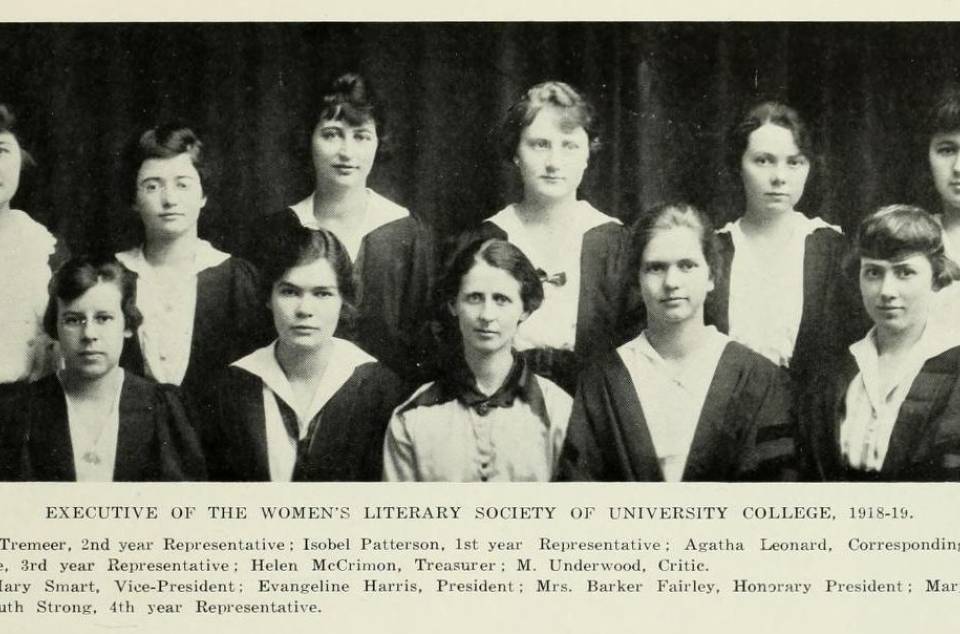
(155, 441)
(745, 432)
(833, 315)
(347, 442)
(230, 320)
(925, 443)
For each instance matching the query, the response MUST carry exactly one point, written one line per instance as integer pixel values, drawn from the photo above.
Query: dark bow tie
(558, 279)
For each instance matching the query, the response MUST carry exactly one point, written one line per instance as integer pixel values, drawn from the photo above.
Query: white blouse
(554, 324)
(94, 440)
(25, 250)
(872, 407)
(168, 301)
(766, 297)
(281, 448)
(672, 399)
(379, 212)
(948, 298)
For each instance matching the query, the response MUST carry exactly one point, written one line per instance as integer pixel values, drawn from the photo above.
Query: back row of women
(693, 354)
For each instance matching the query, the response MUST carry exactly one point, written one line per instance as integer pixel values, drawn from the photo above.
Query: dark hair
(897, 231)
(498, 254)
(944, 113)
(81, 273)
(778, 114)
(8, 123)
(163, 142)
(292, 244)
(351, 98)
(667, 215)
(576, 109)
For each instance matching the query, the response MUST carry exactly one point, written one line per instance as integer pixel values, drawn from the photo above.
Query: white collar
(802, 225)
(205, 257)
(345, 357)
(584, 218)
(937, 337)
(380, 211)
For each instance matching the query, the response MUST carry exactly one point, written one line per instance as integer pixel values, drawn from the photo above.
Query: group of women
(549, 342)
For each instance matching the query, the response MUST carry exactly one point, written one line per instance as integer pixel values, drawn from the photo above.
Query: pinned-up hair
(667, 215)
(163, 142)
(499, 254)
(576, 110)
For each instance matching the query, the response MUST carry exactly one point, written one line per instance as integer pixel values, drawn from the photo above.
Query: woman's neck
(303, 364)
(677, 340)
(545, 211)
(489, 370)
(339, 204)
(98, 389)
(895, 342)
(950, 218)
(762, 223)
(176, 252)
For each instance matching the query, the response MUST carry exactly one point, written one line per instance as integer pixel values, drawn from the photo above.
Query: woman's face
(488, 308)
(552, 155)
(897, 293)
(91, 330)
(774, 170)
(343, 154)
(169, 197)
(306, 304)
(11, 161)
(944, 158)
(674, 276)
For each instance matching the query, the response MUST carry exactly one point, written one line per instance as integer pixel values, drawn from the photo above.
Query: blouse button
(483, 478)
(483, 409)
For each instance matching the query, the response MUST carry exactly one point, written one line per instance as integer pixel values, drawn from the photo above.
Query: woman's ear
(127, 333)
(523, 317)
(452, 308)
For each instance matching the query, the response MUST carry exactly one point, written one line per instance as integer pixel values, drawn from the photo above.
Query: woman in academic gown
(308, 406)
(93, 421)
(889, 409)
(681, 401)
(778, 292)
(549, 134)
(392, 251)
(201, 307)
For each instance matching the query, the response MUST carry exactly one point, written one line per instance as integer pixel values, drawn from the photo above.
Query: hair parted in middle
(499, 254)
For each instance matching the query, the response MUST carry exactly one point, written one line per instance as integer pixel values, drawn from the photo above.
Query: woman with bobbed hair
(550, 134)
(201, 307)
(28, 252)
(889, 409)
(308, 406)
(681, 402)
(94, 422)
(488, 417)
(392, 251)
(779, 293)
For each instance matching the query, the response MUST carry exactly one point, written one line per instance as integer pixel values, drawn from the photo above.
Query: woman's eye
(71, 320)
(686, 265)
(287, 292)
(905, 273)
(151, 188)
(501, 300)
(871, 274)
(540, 144)
(653, 267)
(104, 319)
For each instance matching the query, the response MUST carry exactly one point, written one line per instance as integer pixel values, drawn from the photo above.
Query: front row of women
(680, 402)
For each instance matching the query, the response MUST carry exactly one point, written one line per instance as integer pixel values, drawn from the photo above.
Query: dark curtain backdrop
(666, 94)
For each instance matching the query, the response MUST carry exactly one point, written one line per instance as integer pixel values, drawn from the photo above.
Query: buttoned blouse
(766, 298)
(449, 432)
(671, 399)
(25, 250)
(168, 302)
(94, 454)
(871, 406)
(282, 449)
(554, 324)
(379, 211)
